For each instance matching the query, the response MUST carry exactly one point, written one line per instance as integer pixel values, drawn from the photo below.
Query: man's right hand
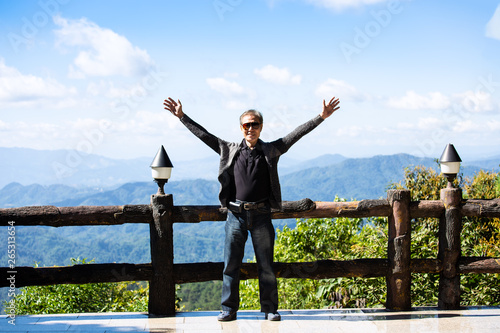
(174, 107)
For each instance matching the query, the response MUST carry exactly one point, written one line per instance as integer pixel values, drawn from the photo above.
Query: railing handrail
(116, 215)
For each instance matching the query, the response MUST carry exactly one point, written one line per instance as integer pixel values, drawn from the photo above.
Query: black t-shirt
(251, 175)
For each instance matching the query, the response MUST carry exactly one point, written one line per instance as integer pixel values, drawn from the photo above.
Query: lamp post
(450, 226)
(450, 164)
(161, 233)
(161, 168)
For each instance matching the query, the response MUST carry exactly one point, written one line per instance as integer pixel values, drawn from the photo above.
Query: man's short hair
(254, 113)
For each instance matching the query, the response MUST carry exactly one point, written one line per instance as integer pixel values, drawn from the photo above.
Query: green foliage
(322, 239)
(72, 298)
(483, 234)
(345, 239)
(497, 187)
(202, 296)
(483, 239)
(425, 184)
(479, 236)
(79, 298)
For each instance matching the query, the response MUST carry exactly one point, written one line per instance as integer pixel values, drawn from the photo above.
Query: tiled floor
(480, 319)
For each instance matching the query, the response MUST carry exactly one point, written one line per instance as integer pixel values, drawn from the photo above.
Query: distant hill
(287, 165)
(122, 243)
(359, 178)
(67, 167)
(73, 168)
(487, 164)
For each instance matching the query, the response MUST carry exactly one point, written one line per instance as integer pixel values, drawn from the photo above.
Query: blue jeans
(259, 223)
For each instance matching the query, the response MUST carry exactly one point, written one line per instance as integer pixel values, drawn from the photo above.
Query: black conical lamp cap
(450, 154)
(161, 159)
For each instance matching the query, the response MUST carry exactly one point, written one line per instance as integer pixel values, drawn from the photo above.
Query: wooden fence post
(450, 226)
(399, 251)
(162, 284)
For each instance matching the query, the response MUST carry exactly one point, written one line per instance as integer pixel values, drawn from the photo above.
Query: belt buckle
(247, 206)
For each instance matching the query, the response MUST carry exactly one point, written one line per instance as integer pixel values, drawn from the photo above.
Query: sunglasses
(246, 126)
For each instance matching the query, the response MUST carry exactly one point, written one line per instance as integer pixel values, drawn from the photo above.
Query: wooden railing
(163, 274)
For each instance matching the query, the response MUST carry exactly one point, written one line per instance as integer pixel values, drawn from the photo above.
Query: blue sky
(412, 76)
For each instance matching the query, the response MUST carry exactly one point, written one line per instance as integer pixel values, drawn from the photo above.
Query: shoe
(273, 316)
(226, 316)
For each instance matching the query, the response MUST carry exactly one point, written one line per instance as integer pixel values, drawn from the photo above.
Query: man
(248, 174)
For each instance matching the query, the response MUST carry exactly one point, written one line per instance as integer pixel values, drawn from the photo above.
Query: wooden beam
(76, 216)
(479, 265)
(77, 274)
(209, 271)
(162, 284)
(450, 227)
(305, 208)
(399, 252)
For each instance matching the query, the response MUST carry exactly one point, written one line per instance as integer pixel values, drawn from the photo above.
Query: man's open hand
(330, 108)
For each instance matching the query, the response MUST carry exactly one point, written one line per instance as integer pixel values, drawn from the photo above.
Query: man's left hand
(330, 108)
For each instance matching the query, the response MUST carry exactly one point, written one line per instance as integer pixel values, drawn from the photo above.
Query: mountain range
(74, 168)
(68, 177)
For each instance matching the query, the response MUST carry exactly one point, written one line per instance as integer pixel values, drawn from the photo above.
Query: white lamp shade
(161, 167)
(161, 172)
(450, 167)
(450, 161)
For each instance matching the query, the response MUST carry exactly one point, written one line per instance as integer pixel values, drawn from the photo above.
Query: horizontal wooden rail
(76, 216)
(114, 215)
(209, 271)
(77, 274)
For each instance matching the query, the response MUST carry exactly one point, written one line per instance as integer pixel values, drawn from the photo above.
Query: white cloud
(467, 126)
(235, 97)
(91, 135)
(493, 126)
(493, 26)
(235, 104)
(335, 4)
(277, 75)
(33, 135)
(476, 101)
(470, 101)
(341, 89)
(226, 87)
(231, 75)
(351, 131)
(430, 123)
(341, 4)
(414, 101)
(23, 90)
(102, 51)
(422, 125)
(110, 90)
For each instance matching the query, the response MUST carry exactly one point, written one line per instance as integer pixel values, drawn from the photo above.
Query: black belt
(239, 206)
(252, 205)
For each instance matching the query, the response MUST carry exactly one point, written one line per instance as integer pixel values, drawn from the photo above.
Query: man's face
(251, 133)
